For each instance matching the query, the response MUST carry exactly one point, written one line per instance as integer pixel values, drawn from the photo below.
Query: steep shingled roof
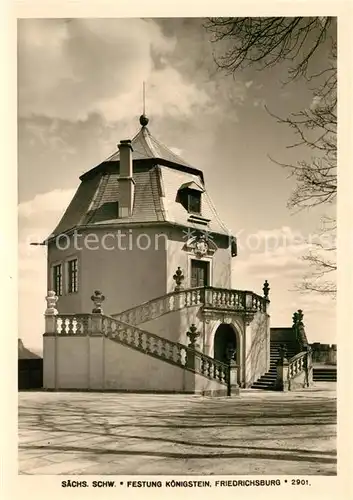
(145, 146)
(156, 187)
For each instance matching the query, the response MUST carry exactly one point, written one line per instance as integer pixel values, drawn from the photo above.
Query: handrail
(297, 356)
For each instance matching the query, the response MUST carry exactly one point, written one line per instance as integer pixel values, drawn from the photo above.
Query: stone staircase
(325, 374)
(279, 337)
(122, 327)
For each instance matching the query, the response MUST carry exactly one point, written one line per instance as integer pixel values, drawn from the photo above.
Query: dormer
(189, 196)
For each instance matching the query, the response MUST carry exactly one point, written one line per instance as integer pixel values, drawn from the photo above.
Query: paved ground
(257, 433)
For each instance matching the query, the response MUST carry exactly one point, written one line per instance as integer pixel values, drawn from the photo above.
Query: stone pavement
(258, 432)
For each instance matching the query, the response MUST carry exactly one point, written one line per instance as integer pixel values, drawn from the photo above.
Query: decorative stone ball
(144, 120)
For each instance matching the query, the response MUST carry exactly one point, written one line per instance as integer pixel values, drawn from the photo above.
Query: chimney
(126, 182)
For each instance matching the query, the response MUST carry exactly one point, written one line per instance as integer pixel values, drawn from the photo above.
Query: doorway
(224, 338)
(200, 271)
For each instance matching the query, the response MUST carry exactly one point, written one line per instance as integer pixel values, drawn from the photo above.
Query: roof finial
(144, 98)
(143, 118)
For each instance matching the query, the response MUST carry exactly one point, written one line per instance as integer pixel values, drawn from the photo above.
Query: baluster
(143, 342)
(238, 300)
(174, 354)
(202, 366)
(148, 343)
(209, 368)
(152, 344)
(135, 337)
(164, 349)
(84, 325)
(65, 326)
(158, 347)
(59, 325)
(124, 335)
(139, 342)
(183, 355)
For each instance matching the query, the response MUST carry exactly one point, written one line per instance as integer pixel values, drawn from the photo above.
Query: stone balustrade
(209, 297)
(136, 338)
(296, 372)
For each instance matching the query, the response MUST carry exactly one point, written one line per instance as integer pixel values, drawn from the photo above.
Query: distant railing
(298, 364)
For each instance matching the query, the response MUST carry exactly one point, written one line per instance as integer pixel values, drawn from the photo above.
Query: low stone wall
(325, 354)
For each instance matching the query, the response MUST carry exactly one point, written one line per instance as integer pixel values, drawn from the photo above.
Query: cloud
(70, 68)
(275, 252)
(52, 201)
(37, 218)
(259, 101)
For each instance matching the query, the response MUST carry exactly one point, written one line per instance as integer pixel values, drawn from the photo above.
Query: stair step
(257, 385)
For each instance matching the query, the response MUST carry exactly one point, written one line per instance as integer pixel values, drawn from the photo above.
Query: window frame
(54, 278)
(72, 285)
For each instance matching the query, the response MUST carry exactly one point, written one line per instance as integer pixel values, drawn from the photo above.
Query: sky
(80, 93)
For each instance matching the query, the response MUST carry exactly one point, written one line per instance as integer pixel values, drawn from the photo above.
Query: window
(191, 200)
(57, 279)
(72, 276)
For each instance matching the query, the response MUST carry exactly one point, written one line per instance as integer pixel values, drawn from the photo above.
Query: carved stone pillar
(96, 324)
(51, 312)
(193, 354)
(233, 386)
(282, 383)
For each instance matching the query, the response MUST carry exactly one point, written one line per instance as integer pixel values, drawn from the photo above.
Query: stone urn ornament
(97, 298)
(266, 289)
(51, 299)
(193, 335)
(178, 278)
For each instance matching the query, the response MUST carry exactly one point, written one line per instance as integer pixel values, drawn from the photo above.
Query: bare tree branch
(263, 43)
